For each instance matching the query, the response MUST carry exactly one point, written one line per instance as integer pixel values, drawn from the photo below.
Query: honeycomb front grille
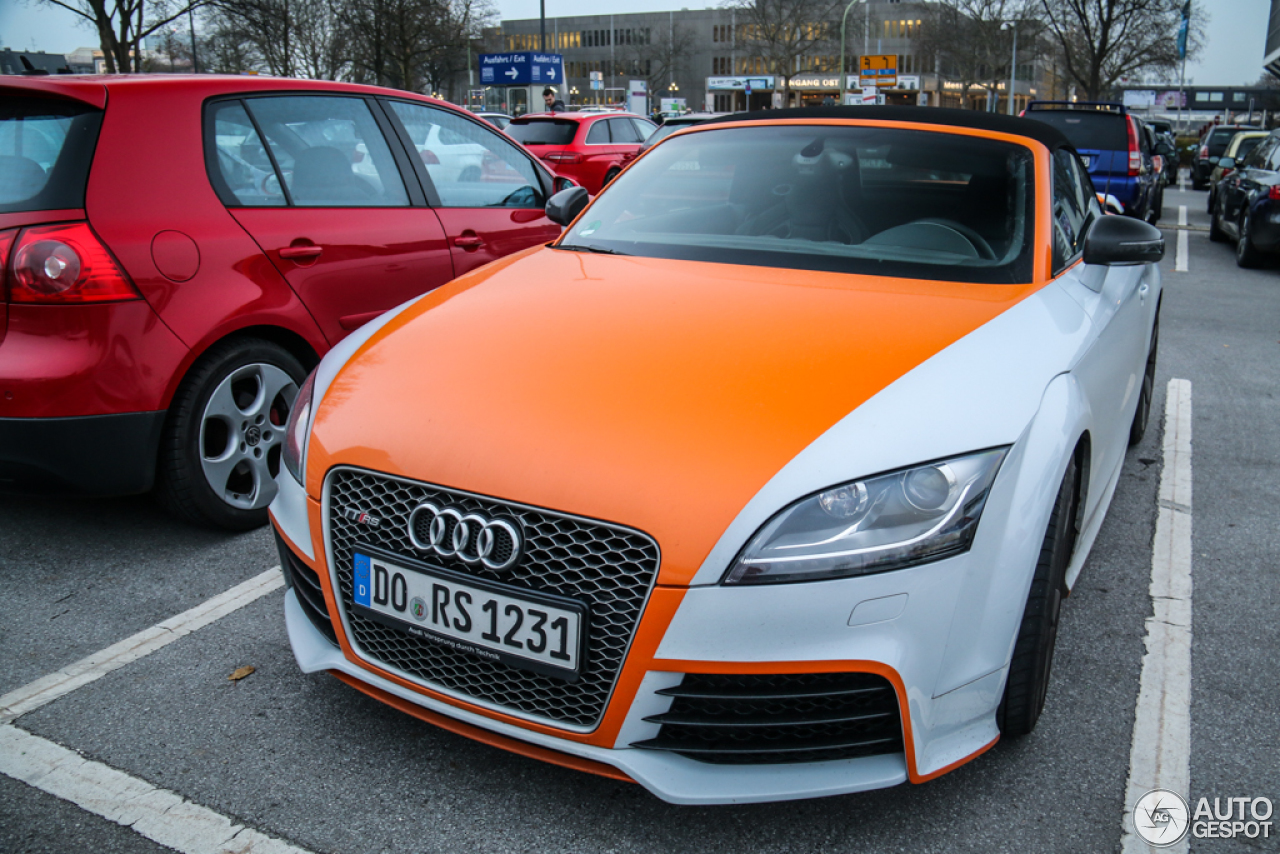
(609, 568)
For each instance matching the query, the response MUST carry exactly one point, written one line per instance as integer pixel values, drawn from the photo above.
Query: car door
(1119, 303)
(599, 154)
(1239, 187)
(495, 204)
(326, 200)
(624, 134)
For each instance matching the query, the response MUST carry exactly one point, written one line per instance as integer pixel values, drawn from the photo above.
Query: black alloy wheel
(1027, 684)
(1140, 418)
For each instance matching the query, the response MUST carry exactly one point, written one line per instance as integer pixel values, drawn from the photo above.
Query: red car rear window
(543, 131)
(46, 147)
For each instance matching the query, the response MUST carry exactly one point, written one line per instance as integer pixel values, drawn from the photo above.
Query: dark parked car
(177, 252)
(1238, 149)
(1115, 148)
(675, 123)
(1248, 204)
(1213, 144)
(589, 147)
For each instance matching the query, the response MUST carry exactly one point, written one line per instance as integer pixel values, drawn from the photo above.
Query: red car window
(330, 151)
(598, 134)
(469, 165)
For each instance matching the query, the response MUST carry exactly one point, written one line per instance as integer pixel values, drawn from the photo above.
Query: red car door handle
(295, 252)
(468, 241)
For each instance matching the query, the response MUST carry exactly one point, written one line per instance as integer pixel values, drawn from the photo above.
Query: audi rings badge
(470, 537)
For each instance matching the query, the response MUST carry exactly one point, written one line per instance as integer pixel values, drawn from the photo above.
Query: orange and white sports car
(764, 481)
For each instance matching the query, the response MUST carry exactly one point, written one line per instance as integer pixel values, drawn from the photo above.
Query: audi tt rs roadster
(764, 481)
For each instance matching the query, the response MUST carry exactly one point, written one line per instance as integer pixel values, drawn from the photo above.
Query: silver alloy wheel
(242, 434)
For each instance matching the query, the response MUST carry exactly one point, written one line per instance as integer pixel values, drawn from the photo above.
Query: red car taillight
(65, 264)
(1274, 192)
(429, 157)
(1135, 153)
(562, 157)
(1204, 152)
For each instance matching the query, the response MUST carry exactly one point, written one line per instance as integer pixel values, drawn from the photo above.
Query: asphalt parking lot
(281, 761)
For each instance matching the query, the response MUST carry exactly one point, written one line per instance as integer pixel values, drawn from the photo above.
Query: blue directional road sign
(521, 69)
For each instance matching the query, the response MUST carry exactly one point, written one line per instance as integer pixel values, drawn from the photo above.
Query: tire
(609, 176)
(224, 434)
(1028, 681)
(1216, 234)
(1157, 207)
(1141, 418)
(1247, 255)
(1212, 199)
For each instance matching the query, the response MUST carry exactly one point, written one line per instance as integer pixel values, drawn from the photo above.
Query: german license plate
(529, 629)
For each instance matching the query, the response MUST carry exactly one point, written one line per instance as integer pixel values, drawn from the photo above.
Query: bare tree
(971, 41)
(782, 32)
(288, 38)
(661, 58)
(123, 24)
(1104, 40)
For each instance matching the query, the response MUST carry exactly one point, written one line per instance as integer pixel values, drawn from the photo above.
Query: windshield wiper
(575, 247)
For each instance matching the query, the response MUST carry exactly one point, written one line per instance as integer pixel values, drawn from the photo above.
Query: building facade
(709, 59)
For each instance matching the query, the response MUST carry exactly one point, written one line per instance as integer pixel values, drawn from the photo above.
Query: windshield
(1092, 130)
(915, 204)
(543, 131)
(1220, 139)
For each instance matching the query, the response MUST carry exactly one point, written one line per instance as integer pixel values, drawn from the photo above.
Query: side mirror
(1121, 240)
(1164, 149)
(1227, 164)
(564, 207)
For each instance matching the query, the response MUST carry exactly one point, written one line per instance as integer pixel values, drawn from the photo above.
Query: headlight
(873, 525)
(295, 431)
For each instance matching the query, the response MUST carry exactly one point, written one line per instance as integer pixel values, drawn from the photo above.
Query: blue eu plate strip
(363, 584)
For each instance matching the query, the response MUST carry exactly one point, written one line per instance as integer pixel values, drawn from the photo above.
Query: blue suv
(1111, 141)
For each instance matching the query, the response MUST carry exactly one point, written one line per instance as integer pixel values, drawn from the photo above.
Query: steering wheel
(979, 242)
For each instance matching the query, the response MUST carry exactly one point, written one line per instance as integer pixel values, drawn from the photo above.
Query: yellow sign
(879, 70)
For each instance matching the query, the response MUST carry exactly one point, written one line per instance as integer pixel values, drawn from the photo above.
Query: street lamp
(573, 93)
(1013, 62)
(844, 77)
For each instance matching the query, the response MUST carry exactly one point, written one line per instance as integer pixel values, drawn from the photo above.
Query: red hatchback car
(589, 148)
(177, 252)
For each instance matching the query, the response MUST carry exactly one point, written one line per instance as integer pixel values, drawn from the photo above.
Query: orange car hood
(652, 393)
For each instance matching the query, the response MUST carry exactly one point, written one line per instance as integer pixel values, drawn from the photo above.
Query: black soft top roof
(1047, 135)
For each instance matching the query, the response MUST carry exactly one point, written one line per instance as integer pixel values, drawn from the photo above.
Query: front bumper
(895, 625)
(673, 778)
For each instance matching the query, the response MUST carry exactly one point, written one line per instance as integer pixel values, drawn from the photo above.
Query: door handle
(469, 242)
(307, 250)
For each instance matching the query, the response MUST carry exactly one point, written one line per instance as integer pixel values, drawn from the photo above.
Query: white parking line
(1160, 755)
(157, 814)
(49, 688)
(1182, 215)
(1180, 260)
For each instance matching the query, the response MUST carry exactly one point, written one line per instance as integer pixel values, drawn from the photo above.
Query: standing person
(553, 103)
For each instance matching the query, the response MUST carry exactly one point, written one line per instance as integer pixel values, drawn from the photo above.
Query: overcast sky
(1233, 56)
